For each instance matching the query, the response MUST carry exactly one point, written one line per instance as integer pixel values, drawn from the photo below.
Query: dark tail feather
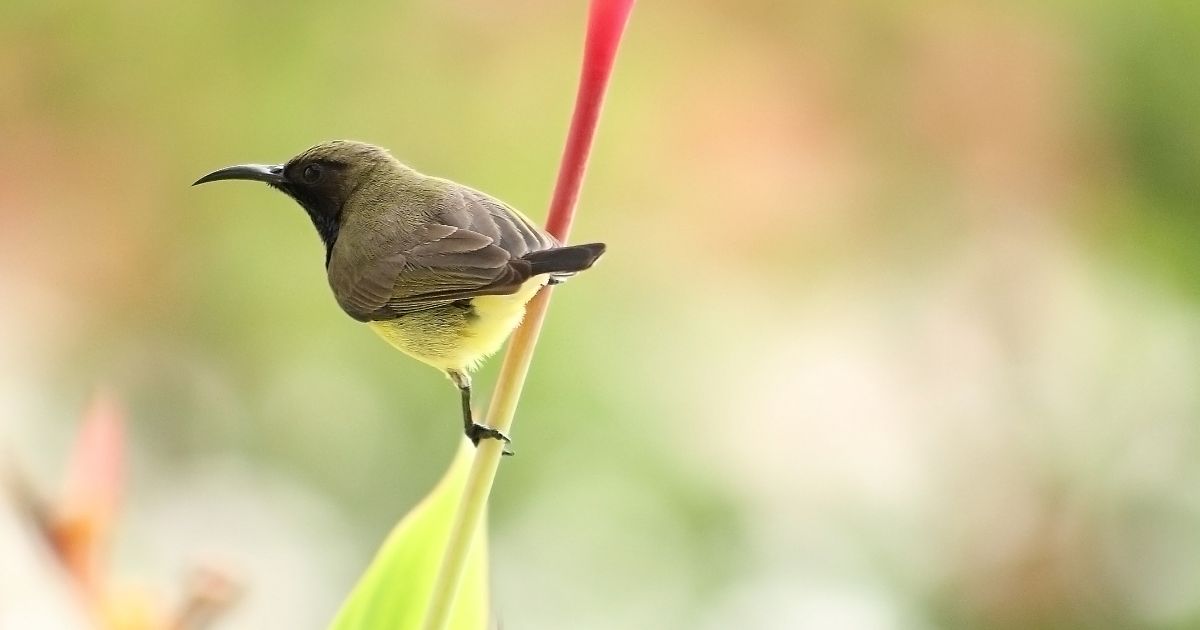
(564, 261)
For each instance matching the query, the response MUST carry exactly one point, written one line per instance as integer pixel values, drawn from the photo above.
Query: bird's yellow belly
(456, 338)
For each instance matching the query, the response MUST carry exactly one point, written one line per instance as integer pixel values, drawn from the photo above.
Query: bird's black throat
(324, 212)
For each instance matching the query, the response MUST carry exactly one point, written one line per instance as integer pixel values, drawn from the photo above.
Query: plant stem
(606, 22)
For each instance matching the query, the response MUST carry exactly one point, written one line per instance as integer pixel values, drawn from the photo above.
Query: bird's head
(322, 179)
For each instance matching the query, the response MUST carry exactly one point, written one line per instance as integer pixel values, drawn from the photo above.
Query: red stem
(606, 22)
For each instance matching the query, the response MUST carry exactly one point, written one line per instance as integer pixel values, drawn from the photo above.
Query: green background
(898, 326)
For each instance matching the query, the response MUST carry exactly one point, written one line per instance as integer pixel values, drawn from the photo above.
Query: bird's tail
(563, 262)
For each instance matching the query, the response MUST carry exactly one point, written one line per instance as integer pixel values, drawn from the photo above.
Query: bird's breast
(452, 337)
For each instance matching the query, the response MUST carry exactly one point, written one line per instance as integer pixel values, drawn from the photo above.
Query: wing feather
(470, 245)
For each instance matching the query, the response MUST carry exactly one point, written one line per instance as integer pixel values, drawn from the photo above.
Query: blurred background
(899, 327)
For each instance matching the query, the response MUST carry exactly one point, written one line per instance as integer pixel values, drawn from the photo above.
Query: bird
(439, 270)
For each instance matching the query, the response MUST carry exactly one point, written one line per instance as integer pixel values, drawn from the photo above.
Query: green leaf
(395, 590)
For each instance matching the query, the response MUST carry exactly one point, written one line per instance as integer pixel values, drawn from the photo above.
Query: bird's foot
(477, 432)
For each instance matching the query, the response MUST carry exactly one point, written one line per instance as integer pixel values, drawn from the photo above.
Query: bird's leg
(472, 429)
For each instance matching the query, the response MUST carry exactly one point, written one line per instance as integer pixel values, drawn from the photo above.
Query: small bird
(439, 270)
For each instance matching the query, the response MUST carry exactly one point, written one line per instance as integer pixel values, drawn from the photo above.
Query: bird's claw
(477, 432)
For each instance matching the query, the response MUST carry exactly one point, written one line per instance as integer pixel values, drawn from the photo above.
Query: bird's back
(411, 242)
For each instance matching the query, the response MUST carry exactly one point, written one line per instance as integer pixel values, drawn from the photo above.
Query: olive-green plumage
(439, 270)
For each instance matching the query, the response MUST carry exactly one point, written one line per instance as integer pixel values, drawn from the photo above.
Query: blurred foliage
(395, 591)
(897, 328)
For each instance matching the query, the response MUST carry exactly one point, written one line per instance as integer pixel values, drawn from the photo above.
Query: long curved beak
(269, 173)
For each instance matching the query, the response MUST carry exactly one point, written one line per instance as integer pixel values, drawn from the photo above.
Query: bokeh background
(899, 327)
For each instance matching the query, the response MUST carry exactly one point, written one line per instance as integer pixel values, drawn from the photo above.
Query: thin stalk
(606, 23)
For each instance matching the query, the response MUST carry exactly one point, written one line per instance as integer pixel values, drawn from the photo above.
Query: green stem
(606, 22)
(487, 460)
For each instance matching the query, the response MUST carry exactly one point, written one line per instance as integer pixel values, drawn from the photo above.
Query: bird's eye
(312, 173)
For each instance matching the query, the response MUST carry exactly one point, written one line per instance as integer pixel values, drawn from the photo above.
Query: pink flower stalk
(606, 23)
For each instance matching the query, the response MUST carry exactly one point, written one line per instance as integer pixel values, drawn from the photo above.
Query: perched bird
(439, 270)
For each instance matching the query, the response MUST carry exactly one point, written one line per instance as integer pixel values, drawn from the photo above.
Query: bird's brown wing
(471, 245)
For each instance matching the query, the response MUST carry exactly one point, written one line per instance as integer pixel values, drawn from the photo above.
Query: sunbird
(439, 270)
